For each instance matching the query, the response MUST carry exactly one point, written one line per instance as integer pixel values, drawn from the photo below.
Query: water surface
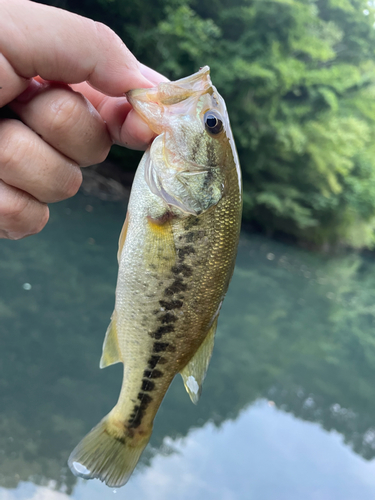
(288, 406)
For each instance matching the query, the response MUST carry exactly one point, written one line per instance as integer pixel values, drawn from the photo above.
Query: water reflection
(284, 461)
(296, 329)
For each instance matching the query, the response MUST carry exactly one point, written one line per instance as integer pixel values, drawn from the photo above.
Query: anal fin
(111, 352)
(194, 372)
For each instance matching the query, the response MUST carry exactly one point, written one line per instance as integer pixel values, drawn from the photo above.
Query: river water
(288, 405)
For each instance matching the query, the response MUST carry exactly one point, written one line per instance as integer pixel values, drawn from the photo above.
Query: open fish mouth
(158, 104)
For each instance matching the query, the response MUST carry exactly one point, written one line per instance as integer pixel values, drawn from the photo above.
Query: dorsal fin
(195, 371)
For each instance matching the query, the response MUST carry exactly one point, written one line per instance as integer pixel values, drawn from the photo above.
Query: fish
(176, 255)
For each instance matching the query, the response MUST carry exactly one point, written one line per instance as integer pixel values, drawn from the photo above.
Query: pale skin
(65, 77)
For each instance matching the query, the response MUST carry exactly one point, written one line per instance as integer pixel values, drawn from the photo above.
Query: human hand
(63, 127)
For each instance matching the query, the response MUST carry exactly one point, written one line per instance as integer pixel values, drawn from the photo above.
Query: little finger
(20, 214)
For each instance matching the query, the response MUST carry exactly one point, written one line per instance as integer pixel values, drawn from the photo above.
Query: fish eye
(213, 122)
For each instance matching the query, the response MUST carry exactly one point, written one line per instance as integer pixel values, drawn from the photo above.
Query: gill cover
(190, 190)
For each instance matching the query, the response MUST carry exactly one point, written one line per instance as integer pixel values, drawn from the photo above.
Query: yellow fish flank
(176, 257)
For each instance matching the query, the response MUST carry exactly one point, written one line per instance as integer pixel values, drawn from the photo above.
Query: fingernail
(153, 76)
(142, 83)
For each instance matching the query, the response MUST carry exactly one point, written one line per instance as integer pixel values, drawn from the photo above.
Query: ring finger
(30, 164)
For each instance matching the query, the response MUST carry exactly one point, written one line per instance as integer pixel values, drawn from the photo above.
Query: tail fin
(107, 453)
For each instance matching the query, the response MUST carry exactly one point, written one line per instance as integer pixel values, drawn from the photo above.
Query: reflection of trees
(309, 323)
(295, 328)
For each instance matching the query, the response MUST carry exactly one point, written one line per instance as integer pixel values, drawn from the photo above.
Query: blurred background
(288, 406)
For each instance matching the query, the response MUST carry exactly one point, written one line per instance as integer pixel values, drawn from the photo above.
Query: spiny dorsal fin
(195, 371)
(111, 352)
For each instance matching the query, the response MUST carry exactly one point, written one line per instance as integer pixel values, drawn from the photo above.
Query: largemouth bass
(176, 257)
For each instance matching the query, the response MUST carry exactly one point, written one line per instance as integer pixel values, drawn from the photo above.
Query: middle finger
(66, 120)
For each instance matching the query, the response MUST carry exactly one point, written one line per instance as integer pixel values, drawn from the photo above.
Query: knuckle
(22, 216)
(73, 183)
(41, 221)
(101, 155)
(13, 145)
(103, 30)
(111, 40)
(14, 209)
(64, 111)
(96, 144)
(16, 235)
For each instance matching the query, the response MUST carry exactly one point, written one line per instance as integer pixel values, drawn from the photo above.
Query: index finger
(41, 40)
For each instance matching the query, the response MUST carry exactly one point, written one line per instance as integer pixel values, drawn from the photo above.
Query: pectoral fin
(159, 247)
(195, 371)
(111, 352)
(122, 238)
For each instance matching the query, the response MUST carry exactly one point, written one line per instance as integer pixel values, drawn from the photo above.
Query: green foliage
(299, 80)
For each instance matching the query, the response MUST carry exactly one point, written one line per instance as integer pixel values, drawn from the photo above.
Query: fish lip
(201, 77)
(135, 95)
(199, 82)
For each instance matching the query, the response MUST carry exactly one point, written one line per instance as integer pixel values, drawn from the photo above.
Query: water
(288, 406)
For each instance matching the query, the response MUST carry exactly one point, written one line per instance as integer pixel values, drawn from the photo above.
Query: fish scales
(176, 257)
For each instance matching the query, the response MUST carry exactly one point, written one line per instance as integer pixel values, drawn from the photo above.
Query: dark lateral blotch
(136, 417)
(162, 330)
(173, 304)
(152, 373)
(176, 287)
(147, 385)
(145, 400)
(189, 237)
(184, 251)
(139, 410)
(183, 269)
(160, 346)
(168, 318)
(154, 360)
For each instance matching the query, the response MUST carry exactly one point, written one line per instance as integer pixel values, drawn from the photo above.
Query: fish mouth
(148, 100)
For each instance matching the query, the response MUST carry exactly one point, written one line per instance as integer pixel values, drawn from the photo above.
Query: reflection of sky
(264, 455)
